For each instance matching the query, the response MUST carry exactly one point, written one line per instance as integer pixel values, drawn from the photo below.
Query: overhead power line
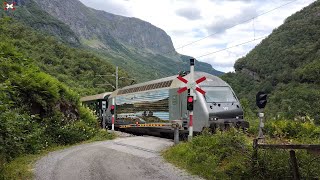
(231, 47)
(193, 42)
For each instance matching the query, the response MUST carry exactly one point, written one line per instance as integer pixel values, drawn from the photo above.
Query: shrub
(292, 129)
(228, 155)
(220, 156)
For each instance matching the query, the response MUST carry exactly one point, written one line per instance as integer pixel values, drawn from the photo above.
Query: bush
(228, 155)
(292, 129)
(36, 110)
(220, 156)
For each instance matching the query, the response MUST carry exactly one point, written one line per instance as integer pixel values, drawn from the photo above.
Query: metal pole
(194, 98)
(261, 124)
(190, 126)
(117, 77)
(112, 118)
(103, 118)
(176, 134)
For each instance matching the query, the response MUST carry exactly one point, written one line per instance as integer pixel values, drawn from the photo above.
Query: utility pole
(116, 75)
(113, 104)
(117, 78)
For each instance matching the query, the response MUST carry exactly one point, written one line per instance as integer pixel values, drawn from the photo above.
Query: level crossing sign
(192, 85)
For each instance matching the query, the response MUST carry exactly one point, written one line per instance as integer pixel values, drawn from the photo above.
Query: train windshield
(219, 94)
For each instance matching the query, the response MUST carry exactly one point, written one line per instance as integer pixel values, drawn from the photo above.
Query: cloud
(111, 6)
(189, 13)
(232, 0)
(221, 25)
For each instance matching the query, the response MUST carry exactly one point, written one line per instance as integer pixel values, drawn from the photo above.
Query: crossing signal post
(191, 86)
(112, 108)
(261, 102)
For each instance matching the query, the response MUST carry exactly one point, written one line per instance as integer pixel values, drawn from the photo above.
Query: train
(158, 101)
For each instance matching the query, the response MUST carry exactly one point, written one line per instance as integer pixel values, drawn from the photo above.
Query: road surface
(132, 158)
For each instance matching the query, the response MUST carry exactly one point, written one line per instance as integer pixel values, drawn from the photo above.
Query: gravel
(121, 134)
(133, 158)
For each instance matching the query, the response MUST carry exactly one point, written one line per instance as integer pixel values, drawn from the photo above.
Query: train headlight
(237, 117)
(213, 119)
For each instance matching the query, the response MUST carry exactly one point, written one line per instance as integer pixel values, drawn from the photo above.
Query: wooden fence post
(295, 167)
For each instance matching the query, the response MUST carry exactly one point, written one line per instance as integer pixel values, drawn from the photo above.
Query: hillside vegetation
(40, 83)
(76, 67)
(286, 65)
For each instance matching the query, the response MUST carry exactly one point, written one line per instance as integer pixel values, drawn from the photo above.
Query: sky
(186, 21)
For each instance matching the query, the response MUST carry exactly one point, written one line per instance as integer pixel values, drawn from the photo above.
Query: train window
(154, 86)
(219, 94)
(161, 84)
(168, 83)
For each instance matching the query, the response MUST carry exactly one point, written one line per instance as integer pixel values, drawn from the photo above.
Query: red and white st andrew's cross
(8, 6)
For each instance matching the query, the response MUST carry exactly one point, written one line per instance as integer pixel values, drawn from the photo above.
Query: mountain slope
(286, 65)
(31, 14)
(140, 48)
(75, 67)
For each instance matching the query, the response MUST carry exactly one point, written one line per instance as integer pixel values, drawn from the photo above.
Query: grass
(21, 168)
(228, 155)
(220, 156)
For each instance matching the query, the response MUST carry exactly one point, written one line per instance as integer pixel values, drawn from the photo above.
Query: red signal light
(190, 103)
(112, 109)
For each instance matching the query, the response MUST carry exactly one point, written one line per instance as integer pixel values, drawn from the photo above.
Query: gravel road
(132, 158)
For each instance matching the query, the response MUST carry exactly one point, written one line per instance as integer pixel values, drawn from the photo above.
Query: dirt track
(132, 158)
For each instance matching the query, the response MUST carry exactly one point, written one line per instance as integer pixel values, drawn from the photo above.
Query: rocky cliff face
(102, 29)
(134, 45)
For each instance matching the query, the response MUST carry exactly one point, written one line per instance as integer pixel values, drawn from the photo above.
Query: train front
(222, 107)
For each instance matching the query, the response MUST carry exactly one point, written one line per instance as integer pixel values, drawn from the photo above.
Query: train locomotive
(157, 101)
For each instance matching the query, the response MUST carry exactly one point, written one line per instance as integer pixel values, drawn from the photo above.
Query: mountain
(143, 50)
(286, 65)
(102, 28)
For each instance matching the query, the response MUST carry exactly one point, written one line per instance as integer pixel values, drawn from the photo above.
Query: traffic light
(112, 109)
(261, 99)
(190, 103)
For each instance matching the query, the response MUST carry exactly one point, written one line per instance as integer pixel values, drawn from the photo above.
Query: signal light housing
(190, 101)
(261, 99)
(112, 109)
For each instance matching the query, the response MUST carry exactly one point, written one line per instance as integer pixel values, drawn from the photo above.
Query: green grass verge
(21, 168)
(228, 155)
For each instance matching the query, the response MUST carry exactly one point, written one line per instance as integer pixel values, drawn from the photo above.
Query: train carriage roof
(95, 97)
(170, 83)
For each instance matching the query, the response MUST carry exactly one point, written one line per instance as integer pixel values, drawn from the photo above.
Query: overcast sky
(189, 20)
